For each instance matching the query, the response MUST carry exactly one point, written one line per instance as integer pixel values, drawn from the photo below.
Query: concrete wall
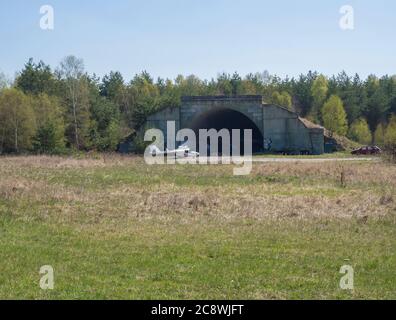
(193, 107)
(159, 121)
(317, 138)
(288, 133)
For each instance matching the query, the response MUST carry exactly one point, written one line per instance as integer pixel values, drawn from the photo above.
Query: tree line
(55, 111)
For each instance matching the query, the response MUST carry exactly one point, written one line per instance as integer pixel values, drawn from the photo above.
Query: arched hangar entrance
(224, 118)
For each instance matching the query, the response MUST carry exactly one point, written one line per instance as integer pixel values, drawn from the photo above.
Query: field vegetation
(113, 227)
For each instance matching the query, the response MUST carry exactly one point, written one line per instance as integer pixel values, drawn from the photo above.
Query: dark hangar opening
(228, 119)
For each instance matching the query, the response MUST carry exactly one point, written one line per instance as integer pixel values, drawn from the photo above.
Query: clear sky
(202, 37)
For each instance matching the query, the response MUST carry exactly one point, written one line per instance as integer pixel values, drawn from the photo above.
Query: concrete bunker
(274, 129)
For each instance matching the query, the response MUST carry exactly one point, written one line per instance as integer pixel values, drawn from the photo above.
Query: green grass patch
(239, 260)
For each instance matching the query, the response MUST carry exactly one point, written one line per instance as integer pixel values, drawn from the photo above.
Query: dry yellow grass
(289, 190)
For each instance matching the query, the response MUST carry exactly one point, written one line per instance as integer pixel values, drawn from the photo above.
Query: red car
(367, 150)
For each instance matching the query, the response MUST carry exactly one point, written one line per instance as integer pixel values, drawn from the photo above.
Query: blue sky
(202, 37)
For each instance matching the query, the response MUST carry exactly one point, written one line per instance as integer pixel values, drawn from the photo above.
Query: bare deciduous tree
(71, 71)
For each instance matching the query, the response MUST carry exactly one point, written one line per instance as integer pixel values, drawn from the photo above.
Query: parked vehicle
(367, 150)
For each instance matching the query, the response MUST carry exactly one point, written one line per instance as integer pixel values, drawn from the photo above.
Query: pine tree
(378, 102)
(36, 78)
(50, 137)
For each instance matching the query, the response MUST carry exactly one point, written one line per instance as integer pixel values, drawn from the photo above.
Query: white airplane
(181, 152)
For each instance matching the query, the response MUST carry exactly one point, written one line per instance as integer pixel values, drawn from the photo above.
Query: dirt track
(307, 160)
(259, 159)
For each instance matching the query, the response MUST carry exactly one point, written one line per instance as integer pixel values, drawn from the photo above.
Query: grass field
(115, 228)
